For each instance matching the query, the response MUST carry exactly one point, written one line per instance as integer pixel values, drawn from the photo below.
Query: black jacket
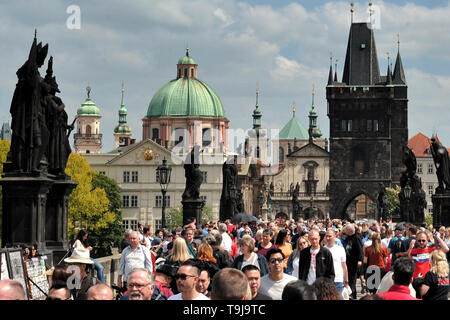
(354, 249)
(264, 268)
(324, 264)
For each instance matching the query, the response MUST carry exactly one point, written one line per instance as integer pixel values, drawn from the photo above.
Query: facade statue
(442, 163)
(194, 176)
(29, 132)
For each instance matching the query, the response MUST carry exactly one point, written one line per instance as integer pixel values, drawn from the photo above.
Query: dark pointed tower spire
(330, 74)
(389, 73)
(399, 73)
(335, 71)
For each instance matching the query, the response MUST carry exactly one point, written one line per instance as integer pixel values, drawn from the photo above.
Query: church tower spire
(399, 73)
(122, 132)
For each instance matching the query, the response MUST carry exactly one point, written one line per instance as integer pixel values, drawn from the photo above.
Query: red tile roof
(420, 144)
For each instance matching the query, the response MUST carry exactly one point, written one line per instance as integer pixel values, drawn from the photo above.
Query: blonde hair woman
(436, 284)
(179, 254)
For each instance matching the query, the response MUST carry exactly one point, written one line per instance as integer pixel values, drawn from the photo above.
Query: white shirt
(274, 289)
(226, 242)
(132, 259)
(178, 296)
(312, 267)
(339, 256)
(385, 242)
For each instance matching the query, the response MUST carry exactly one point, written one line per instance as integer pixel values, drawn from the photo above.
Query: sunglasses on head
(273, 260)
(182, 276)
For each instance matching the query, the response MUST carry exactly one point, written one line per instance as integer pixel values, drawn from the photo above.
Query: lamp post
(407, 193)
(164, 172)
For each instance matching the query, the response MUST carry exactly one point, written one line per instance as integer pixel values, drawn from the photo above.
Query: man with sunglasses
(421, 254)
(273, 283)
(187, 278)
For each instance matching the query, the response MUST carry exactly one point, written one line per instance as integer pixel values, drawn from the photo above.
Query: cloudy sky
(284, 45)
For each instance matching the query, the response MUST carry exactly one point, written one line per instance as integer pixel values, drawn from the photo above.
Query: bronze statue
(59, 147)
(194, 177)
(29, 132)
(442, 163)
(296, 206)
(383, 204)
(229, 199)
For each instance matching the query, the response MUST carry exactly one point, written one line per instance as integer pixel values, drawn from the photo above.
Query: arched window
(192, 72)
(88, 129)
(280, 155)
(185, 72)
(257, 153)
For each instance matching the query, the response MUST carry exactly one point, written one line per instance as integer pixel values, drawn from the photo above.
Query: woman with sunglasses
(294, 258)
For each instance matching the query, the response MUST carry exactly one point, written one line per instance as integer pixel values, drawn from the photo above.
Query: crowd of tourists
(311, 259)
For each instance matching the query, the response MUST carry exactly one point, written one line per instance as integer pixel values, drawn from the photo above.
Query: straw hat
(79, 256)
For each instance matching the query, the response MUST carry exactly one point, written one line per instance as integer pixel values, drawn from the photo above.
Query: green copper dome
(88, 108)
(122, 128)
(185, 97)
(186, 60)
(293, 130)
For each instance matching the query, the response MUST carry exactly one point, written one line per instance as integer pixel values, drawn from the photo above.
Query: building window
(376, 128)
(430, 189)
(134, 176)
(185, 72)
(280, 155)
(155, 133)
(102, 172)
(419, 168)
(205, 176)
(430, 210)
(158, 201)
(192, 72)
(203, 198)
(125, 201)
(130, 224)
(158, 224)
(430, 168)
(126, 176)
(134, 201)
(369, 125)
(206, 134)
(344, 125)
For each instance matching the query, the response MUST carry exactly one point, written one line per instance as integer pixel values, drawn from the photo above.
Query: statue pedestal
(35, 211)
(193, 209)
(441, 209)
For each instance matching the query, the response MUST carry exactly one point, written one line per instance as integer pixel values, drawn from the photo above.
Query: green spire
(122, 127)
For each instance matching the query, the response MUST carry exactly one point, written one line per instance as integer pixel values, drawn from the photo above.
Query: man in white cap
(80, 281)
(134, 256)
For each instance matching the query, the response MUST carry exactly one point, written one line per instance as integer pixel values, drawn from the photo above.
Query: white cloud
(285, 48)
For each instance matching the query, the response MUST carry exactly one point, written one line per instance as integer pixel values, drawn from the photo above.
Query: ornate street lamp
(407, 194)
(164, 171)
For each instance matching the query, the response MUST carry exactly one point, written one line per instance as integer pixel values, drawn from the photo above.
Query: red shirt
(421, 259)
(397, 292)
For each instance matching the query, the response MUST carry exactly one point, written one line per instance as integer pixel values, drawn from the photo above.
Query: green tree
(104, 239)
(392, 198)
(174, 216)
(4, 149)
(88, 206)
